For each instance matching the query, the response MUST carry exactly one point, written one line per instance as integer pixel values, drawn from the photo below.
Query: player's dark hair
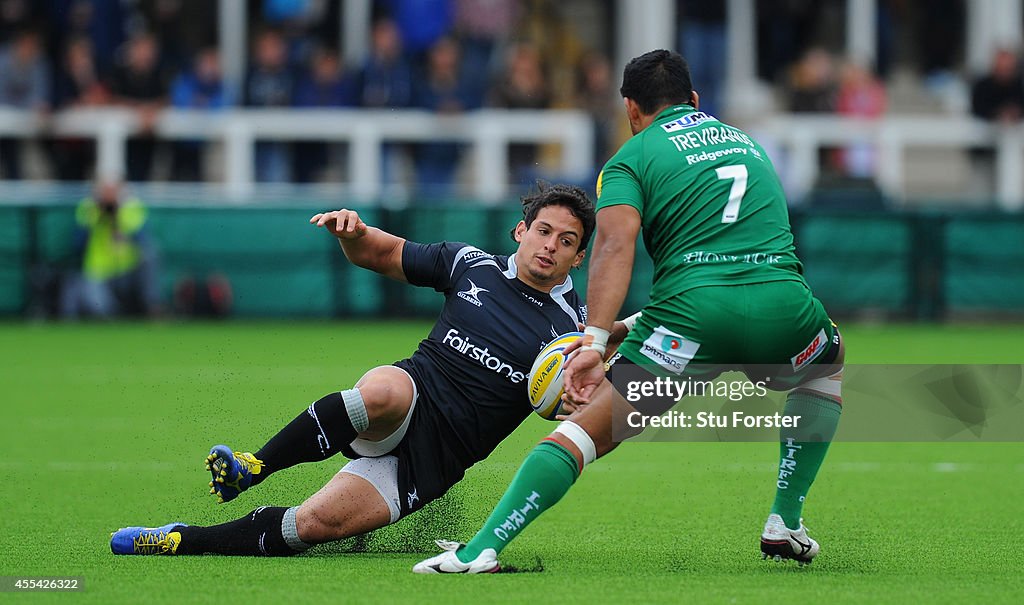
(657, 79)
(571, 197)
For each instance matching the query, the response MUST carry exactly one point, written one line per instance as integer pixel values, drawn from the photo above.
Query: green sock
(802, 450)
(546, 475)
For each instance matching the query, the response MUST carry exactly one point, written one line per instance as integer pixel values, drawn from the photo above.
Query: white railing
(801, 137)
(487, 132)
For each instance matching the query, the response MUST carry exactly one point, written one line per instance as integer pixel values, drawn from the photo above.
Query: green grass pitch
(107, 425)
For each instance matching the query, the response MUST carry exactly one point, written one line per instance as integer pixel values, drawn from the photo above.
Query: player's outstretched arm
(364, 246)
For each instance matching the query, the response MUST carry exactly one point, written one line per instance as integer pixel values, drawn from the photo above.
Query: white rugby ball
(545, 385)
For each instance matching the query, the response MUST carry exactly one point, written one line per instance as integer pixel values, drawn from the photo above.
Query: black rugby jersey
(475, 363)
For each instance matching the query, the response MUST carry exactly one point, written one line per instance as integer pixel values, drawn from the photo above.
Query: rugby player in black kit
(411, 429)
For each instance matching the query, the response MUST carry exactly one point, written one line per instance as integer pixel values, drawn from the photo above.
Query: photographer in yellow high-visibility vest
(118, 266)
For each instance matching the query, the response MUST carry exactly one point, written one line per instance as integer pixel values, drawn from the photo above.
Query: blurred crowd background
(452, 56)
(931, 93)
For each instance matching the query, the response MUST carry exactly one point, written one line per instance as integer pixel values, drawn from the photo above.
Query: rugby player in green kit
(728, 293)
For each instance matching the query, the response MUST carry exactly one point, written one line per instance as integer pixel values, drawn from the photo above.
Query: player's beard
(541, 275)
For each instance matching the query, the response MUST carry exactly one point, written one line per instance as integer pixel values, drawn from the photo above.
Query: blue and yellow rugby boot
(232, 472)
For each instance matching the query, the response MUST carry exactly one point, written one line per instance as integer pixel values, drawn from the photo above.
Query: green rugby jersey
(712, 208)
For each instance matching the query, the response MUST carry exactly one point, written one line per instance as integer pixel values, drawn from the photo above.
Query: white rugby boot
(778, 542)
(447, 562)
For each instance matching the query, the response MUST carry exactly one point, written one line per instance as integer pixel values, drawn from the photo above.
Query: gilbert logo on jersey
(473, 294)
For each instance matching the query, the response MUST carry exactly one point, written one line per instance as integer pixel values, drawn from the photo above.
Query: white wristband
(630, 321)
(598, 339)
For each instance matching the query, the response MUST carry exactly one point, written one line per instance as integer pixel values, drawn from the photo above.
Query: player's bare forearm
(611, 264)
(377, 251)
(364, 246)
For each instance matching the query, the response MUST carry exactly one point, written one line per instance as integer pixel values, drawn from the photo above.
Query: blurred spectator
(326, 85)
(784, 29)
(385, 81)
(17, 16)
(78, 85)
(598, 95)
(295, 20)
(523, 85)
(447, 91)
(482, 27)
(117, 264)
(861, 94)
(102, 22)
(811, 88)
(270, 84)
(702, 44)
(421, 25)
(998, 96)
(164, 16)
(386, 77)
(139, 83)
(24, 84)
(812, 83)
(78, 82)
(548, 26)
(199, 88)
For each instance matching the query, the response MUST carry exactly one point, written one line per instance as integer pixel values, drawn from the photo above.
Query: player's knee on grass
(316, 525)
(349, 505)
(318, 522)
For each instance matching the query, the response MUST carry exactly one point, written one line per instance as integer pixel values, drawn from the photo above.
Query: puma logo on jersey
(687, 121)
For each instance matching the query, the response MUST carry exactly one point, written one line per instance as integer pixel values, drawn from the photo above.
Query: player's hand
(569, 407)
(615, 338)
(618, 333)
(343, 224)
(584, 371)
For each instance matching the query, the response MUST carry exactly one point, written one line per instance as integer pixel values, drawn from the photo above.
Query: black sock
(256, 534)
(316, 434)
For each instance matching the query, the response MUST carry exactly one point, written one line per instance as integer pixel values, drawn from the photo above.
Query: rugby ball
(545, 386)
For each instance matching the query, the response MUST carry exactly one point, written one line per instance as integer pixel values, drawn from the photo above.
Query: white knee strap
(579, 437)
(356, 409)
(831, 385)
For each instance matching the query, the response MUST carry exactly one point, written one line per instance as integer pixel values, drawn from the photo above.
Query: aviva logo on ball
(545, 385)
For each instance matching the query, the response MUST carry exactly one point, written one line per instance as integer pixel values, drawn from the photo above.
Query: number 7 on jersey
(738, 174)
